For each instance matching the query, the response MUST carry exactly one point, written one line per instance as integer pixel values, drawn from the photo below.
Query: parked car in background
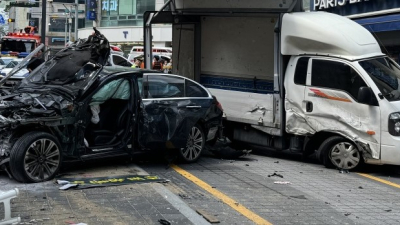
(139, 50)
(4, 61)
(116, 50)
(16, 78)
(118, 60)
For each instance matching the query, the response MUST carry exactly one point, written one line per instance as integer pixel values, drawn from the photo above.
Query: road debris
(299, 196)
(164, 222)
(343, 171)
(184, 196)
(210, 218)
(360, 187)
(275, 174)
(68, 186)
(387, 210)
(92, 182)
(281, 182)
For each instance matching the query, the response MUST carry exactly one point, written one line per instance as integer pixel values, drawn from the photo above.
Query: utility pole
(70, 23)
(76, 19)
(43, 28)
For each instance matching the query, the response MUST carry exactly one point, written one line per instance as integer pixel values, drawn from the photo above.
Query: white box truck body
(299, 81)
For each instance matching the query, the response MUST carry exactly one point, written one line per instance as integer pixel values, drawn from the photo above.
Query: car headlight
(394, 124)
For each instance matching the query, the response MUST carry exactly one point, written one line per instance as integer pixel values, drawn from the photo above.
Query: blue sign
(91, 15)
(92, 4)
(2, 21)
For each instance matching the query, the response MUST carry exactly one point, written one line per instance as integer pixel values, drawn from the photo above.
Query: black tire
(194, 145)
(30, 163)
(339, 152)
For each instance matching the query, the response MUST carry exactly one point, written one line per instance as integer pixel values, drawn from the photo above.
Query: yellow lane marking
(379, 180)
(227, 200)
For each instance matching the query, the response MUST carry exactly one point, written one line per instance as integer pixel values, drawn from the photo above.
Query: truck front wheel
(339, 152)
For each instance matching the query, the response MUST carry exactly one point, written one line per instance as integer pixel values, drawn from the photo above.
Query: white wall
(135, 34)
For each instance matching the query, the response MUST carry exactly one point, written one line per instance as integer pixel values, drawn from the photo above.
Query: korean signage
(109, 5)
(326, 4)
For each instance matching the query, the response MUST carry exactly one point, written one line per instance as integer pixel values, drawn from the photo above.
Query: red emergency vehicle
(19, 44)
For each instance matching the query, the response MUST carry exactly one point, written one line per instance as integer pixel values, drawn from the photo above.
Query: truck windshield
(17, 46)
(386, 75)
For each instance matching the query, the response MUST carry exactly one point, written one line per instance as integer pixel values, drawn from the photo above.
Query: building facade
(380, 17)
(121, 21)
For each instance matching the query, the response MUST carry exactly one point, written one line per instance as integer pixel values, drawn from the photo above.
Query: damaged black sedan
(74, 108)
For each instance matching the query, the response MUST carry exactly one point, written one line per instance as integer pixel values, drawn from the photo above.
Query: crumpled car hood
(16, 107)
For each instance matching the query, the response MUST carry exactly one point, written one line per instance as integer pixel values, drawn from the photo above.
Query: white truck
(299, 81)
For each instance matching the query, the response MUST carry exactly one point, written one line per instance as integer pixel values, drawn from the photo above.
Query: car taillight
(115, 48)
(218, 104)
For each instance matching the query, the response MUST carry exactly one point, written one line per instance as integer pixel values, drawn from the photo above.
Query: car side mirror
(365, 95)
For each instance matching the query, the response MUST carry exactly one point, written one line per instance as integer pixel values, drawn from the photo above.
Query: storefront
(380, 17)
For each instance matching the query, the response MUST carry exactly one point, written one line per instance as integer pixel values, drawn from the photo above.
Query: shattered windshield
(386, 75)
(81, 79)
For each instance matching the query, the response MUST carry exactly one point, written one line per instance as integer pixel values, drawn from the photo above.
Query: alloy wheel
(42, 159)
(194, 145)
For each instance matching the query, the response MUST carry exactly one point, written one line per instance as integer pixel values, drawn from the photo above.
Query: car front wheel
(340, 153)
(35, 157)
(194, 145)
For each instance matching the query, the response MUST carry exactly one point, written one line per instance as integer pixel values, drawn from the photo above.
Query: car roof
(109, 70)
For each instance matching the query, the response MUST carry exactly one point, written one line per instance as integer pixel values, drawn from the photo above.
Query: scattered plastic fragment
(68, 186)
(73, 223)
(164, 222)
(388, 210)
(62, 182)
(360, 187)
(281, 182)
(275, 174)
(299, 196)
(343, 171)
(347, 214)
(276, 162)
(184, 196)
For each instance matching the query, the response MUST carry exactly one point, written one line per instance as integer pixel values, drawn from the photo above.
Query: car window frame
(145, 80)
(310, 75)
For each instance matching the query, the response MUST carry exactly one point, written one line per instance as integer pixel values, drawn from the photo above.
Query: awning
(381, 23)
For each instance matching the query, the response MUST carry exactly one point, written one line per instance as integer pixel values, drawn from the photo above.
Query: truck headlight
(394, 124)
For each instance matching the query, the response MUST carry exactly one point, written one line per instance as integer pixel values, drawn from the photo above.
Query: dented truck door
(333, 90)
(295, 103)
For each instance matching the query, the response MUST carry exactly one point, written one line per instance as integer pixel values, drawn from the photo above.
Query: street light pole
(76, 19)
(70, 23)
(43, 28)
